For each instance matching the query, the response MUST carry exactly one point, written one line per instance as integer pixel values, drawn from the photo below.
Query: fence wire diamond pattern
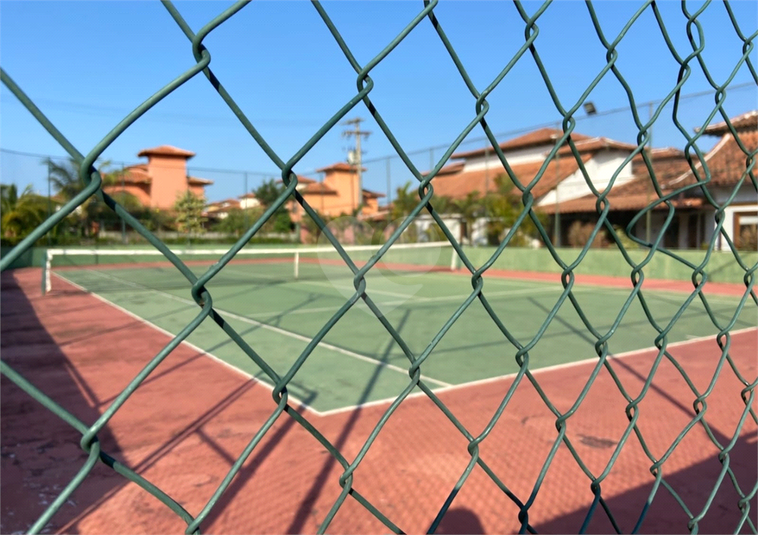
(364, 84)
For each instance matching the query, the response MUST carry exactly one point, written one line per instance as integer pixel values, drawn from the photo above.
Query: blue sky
(87, 64)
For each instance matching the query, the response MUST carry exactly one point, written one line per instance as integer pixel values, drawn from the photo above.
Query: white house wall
(491, 161)
(600, 169)
(746, 200)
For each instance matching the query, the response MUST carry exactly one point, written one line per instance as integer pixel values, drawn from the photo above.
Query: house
(552, 182)
(337, 194)
(248, 200)
(726, 173)
(220, 209)
(161, 180)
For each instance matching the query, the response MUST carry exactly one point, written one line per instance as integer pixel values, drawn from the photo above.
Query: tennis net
(249, 266)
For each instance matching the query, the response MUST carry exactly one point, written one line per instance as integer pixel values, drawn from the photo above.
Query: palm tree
(404, 202)
(21, 214)
(65, 178)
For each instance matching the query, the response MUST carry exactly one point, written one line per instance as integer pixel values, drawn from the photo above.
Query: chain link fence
(646, 122)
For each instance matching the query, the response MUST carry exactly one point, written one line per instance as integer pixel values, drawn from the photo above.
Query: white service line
(278, 330)
(474, 384)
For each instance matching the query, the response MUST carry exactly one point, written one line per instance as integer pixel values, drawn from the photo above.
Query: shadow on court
(665, 514)
(40, 452)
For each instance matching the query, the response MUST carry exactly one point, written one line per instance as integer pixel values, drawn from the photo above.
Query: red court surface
(192, 417)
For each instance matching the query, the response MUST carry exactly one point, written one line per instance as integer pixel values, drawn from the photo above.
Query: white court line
(278, 330)
(188, 344)
(473, 384)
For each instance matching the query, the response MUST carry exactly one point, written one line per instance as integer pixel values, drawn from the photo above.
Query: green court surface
(358, 361)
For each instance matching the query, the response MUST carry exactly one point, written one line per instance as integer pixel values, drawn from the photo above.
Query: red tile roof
(226, 203)
(726, 164)
(301, 180)
(195, 181)
(746, 121)
(595, 144)
(339, 166)
(372, 194)
(483, 181)
(318, 188)
(543, 136)
(166, 150)
(135, 174)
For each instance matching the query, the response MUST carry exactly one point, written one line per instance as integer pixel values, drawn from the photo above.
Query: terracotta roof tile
(543, 136)
(136, 174)
(339, 166)
(317, 188)
(372, 194)
(746, 121)
(726, 161)
(673, 173)
(195, 181)
(166, 150)
(225, 204)
(301, 180)
(596, 144)
(483, 181)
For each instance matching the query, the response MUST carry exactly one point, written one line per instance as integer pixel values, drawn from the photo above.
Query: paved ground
(184, 427)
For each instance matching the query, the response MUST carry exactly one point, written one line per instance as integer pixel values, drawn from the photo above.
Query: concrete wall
(721, 267)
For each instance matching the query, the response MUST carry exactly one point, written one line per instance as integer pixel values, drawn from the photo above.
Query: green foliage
(65, 180)
(267, 194)
(189, 213)
(21, 214)
(579, 234)
(624, 239)
(503, 208)
(238, 220)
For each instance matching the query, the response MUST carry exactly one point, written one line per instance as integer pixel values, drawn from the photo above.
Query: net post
(297, 264)
(453, 260)
(46, 266)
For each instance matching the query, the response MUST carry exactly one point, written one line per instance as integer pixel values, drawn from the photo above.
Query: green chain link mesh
(92, 179)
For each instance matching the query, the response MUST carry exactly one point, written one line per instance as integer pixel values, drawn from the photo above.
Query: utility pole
(356, 159)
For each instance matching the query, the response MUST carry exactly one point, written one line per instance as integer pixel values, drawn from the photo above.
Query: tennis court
(278, 310)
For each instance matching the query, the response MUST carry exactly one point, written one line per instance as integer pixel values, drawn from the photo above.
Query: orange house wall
(169, 180)
(198, 191)
(346, 186)
(371, 206)
(141, 191)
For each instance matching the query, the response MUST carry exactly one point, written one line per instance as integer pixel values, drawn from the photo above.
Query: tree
(404, 202)
(237, 220)
(267, 194)
(579, 234)
(21, 214)
(65, 179)
(503, 208)
(189, 213)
